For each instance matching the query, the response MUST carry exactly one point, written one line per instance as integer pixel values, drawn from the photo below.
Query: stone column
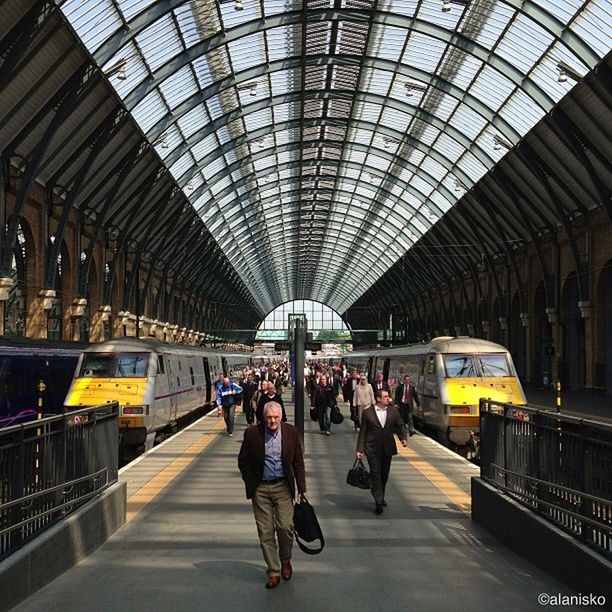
(37, 314)
(528, 346)
(590, 358)
(553, 319)
(96, 323)
(6, 284)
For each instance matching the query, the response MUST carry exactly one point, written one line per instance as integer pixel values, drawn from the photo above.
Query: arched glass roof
(320, 139)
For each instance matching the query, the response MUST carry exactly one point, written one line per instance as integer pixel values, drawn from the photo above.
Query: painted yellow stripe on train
(444, 484)
(149, 491)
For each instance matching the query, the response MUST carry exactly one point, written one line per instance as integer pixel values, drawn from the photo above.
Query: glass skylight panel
(211, 168)
(472, 166)
(423, 52)
(214, 107)
(441, 201)
(395, 119)
(360, 135)
(521, 112)
(264, 162)
(466, 71)
(496, 17)
(492, 88)
(159, 42)
(524, 43)
(448, 147)
(184, 162)
(377, 81)
(192, 121)
(281, 42)
(205, 146)
(180, 86)
(386, 42)
(421, 185)
(430, 10)
(419, 225)
(131, 8)
(94, 21)
(258, 119)
(149, 111)
(433, 168)
(221, 184)
(202, 71)
(231, 18)
(468, 121)
(231, 157)
(405, 175)
(593, 25)
(246, 52)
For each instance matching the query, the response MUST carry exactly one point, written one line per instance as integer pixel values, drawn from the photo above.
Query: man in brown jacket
(271, 462)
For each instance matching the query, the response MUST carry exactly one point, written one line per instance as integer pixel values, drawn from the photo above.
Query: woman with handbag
(362, 398)
(324, 399)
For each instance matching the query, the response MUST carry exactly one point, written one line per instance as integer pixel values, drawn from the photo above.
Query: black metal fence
(557, 465)
(50, 467)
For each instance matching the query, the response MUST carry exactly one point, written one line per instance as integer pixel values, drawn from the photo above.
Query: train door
(371, 369)
(430, 396)
(224, 366)
(386, 370)
(207, 381)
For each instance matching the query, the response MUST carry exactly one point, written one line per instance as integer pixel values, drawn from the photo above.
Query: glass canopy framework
(320, 140)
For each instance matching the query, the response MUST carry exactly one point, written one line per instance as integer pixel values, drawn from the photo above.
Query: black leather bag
(314, 413)
(336, 416)
(358, 476)
(306, 527)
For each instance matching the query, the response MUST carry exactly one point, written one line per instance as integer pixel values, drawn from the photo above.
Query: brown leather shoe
(272, 582)
(286, 571)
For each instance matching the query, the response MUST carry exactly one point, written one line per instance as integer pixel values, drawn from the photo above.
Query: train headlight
(463, 409)
(136, 410)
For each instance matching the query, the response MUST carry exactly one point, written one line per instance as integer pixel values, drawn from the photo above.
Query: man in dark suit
(406, 397)
(380, 383)
(348, 390)
(271, 462)
(268, 394)
(378, 424)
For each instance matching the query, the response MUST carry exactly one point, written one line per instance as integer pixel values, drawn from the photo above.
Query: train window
(460, 366)
(192, 376)
(494, 365)
(100, 365)
(160, 364)
(431, 364)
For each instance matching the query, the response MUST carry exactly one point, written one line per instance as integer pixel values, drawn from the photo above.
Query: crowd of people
(271, 459)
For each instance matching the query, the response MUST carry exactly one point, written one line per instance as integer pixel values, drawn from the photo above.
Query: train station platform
(190, 541)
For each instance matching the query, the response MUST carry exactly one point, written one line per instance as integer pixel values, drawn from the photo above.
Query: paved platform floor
(191, 542)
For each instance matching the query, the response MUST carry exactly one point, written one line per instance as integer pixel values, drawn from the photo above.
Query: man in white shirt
(376, 441)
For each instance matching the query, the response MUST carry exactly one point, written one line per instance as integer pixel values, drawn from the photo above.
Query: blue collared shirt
(273, 459)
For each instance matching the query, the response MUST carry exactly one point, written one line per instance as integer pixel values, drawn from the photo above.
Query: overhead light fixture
(253, 91)
(446, 6)
(161, 140)
(238, 5)
(565, 72)
(117, 69)
(499, 142)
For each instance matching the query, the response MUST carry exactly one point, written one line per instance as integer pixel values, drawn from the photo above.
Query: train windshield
(470, 366)
(460, 366)
(494, 365)
(122, 365)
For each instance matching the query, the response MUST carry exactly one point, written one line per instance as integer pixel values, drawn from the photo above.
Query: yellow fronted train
(450, 374)
(156, 384)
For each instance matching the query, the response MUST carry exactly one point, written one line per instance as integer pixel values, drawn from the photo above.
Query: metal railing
(557, 465)
(50, 467)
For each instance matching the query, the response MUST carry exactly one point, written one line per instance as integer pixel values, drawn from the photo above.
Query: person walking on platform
(324, 399)
(406, 397)
(348, 392)
(363, 398)
(380, 383)
(226, 403)
(378, 425)
(249, 389)
(268, 394)
(271, 462)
